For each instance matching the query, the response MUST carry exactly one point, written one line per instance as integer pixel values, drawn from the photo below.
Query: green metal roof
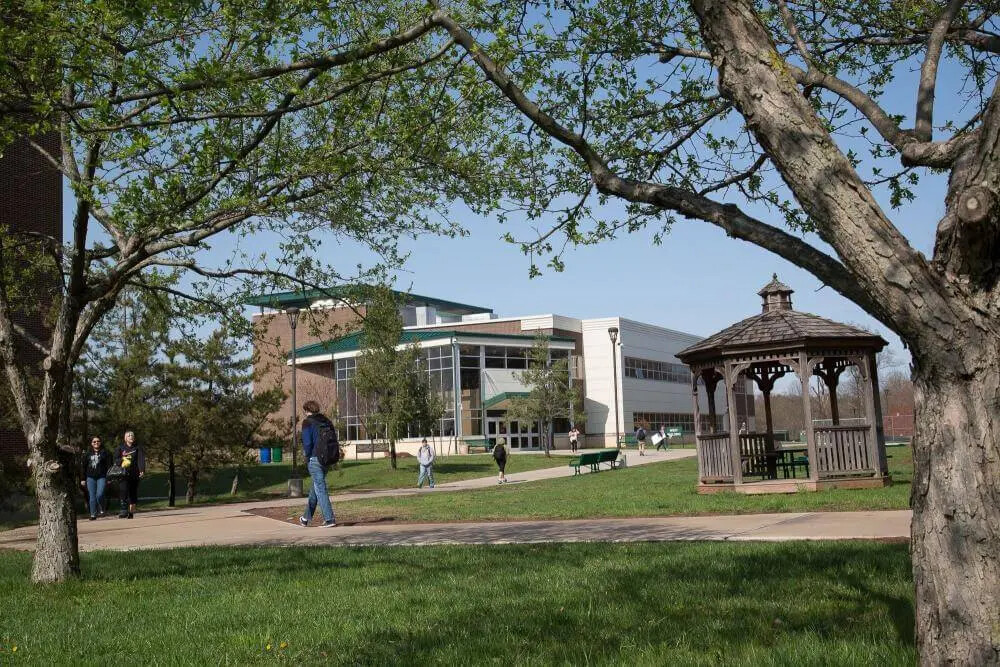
(500, 398)
(302, 298)
(352, 341)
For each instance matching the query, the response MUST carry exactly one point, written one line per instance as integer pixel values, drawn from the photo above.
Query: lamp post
(613, 333)
(295, 481)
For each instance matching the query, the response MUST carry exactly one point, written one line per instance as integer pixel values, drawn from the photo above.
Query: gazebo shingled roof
(779, 326)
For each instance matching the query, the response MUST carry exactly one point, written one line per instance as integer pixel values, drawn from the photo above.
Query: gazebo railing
(843, 450)
(715, 458)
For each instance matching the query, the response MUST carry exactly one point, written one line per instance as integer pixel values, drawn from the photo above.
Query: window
(660, 371)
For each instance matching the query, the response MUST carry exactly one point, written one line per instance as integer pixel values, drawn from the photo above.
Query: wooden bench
(485, 444)
(594, 460)
(370, 448)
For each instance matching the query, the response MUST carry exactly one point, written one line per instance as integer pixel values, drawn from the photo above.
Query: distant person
(743, 428)
(132, 458)
(96, 462)
(318, 433)
(425, 457)
(500, 456)
(662, 442)
(640, 437)
(574, 438)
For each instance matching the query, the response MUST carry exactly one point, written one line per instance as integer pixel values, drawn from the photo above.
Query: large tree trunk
(56, 555)
(956, 515)
(171, 479)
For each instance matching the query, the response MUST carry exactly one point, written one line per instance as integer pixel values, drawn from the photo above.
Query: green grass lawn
(839, 603)
(265, 482)
(659, 489)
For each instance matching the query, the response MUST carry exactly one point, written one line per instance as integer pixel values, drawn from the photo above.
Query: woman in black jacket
(96, 462)
(132, 459)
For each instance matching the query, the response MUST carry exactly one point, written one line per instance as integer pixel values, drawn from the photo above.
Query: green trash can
(276, 454)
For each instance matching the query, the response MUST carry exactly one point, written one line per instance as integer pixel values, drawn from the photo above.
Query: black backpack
(327, 449)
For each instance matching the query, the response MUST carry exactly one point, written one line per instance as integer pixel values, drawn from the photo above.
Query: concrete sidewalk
(233, 525)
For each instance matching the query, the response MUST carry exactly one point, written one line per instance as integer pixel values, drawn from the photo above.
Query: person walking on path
(425, 457)
(132, 458)
(95, 466)
(640, 438)
(663, 441)
(500, 456)
(316, 428)
(574, 438)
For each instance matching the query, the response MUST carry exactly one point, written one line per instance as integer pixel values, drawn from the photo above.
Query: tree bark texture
(956, 516)
(945, 312)
(56, 555)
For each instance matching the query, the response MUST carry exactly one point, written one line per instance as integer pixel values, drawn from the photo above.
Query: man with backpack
(640, 438)
(322, 450)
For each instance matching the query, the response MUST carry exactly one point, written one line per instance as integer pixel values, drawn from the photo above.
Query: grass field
(837, 603)
(661, 489)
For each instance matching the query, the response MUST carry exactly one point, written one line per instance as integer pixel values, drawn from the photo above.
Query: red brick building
(30, 200)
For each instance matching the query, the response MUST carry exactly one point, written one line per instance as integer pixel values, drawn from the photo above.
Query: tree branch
(923, 127)
(730, 218)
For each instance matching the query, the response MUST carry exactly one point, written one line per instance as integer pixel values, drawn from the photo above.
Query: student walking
(640, 437)
(662, 442)
(95, 465)
(425, 457)
(132, 459)
(574, 438)
(500, 456)
(321, 449)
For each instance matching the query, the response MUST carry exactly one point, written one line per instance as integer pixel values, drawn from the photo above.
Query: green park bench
(594, 460)
(629, 441)
(482, 442)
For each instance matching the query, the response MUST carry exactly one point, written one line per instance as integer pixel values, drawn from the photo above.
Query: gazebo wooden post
(873, 406)
(697, 426)
(734, 430)
(832, 379)
(711, 380)
(805, 373)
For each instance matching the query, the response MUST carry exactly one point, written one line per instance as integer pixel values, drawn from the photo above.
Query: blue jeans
(426, 472)
(317, 492)
(95, 489)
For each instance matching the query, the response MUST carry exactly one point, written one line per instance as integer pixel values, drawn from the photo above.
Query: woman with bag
(96, 463)
(500, 456)
(132, 459)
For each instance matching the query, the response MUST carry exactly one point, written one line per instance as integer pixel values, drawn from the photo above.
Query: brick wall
(30, 200)
(273, 342)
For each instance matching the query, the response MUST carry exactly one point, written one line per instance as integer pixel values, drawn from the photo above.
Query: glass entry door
(518, 434)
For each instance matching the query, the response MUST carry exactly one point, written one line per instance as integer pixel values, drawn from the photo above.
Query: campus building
(30, 201)
(474, 358)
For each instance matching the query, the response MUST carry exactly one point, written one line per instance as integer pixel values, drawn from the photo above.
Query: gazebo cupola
(778, 342)
(776, 295)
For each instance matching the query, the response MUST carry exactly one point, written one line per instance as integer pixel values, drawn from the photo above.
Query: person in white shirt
(425, 457)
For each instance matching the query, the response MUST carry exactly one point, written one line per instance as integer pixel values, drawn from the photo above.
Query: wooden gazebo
(763, 348)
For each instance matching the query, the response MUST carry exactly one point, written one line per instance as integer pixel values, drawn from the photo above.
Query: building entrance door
(518, 434)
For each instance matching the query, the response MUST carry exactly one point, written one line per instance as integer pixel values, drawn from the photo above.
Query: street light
(295, 481)
(613, 332)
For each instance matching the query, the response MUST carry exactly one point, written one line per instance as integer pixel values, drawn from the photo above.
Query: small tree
(386, 376)
(550, 395)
